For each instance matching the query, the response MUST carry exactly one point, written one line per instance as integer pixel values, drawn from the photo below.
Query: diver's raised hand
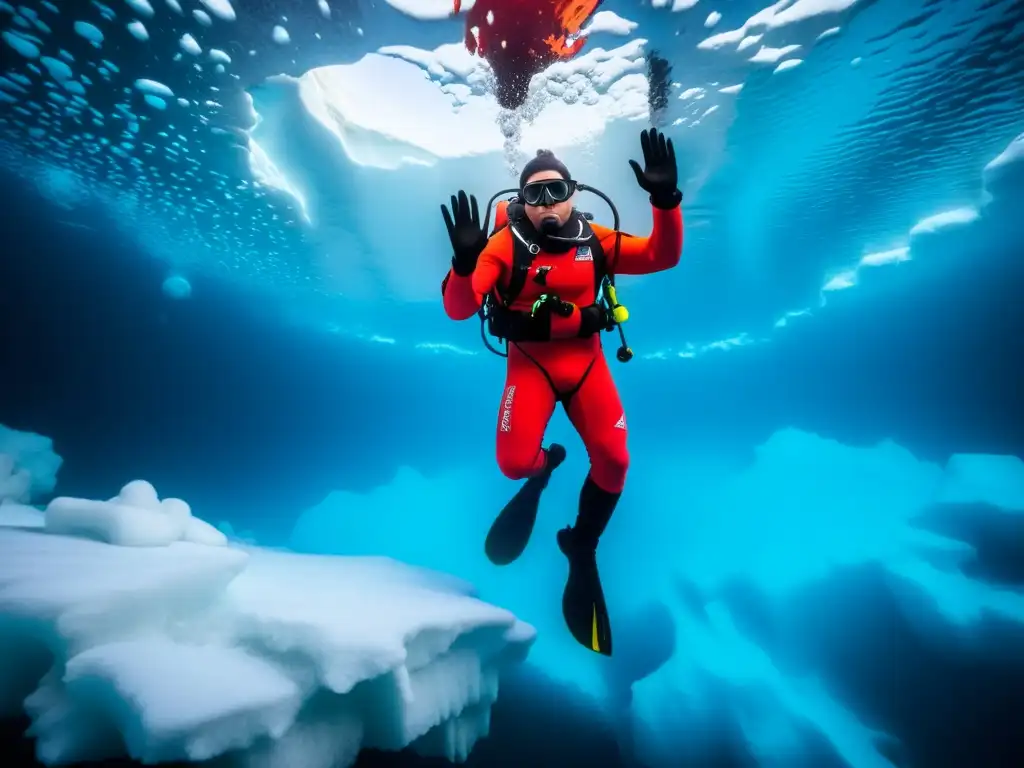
(464, 230)
(659, 176)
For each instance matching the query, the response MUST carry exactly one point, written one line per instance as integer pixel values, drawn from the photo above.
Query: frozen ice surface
(612, 23)
(177, 650)
(133, 518)
(955, 217)
(427, 10)
(20, 515)
(975, 478)
(28, 465)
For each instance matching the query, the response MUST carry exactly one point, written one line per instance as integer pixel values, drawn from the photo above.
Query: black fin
(511, 530)
(583, 605)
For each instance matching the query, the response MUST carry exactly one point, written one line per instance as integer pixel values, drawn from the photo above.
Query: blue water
(798, 573)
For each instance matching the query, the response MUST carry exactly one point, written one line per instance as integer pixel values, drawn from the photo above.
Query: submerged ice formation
(131, 626)
(136, 517)
(28, 466)
(311, 131)
(571, 103)
(805, 512)
(191, 210)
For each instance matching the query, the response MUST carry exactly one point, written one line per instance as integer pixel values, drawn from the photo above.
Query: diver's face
(548, 217)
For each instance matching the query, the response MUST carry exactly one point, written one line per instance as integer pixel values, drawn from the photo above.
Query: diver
(543, 283)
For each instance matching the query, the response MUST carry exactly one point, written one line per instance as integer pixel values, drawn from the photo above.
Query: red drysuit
(568, 369)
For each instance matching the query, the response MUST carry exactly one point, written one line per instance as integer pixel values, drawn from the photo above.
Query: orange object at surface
(519, 38)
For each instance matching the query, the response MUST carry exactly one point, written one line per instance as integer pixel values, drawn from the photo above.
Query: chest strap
(523, 254)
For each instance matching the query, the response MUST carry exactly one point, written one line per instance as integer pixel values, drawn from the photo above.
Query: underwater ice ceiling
(260, 143)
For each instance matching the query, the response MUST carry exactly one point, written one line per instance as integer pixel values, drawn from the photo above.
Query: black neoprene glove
(659, 177)
(521, 326)
(464, 230)
(593, 319)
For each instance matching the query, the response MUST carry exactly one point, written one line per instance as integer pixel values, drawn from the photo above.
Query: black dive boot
(583, 601)
(511, 530)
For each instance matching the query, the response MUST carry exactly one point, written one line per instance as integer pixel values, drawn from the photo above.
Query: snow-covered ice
(612, 23)
(428, 10)
(135, 517)
(129, 625)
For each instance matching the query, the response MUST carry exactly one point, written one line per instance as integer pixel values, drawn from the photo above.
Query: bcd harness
(511, 325)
